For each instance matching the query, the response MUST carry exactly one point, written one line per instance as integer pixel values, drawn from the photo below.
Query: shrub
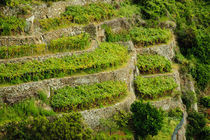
(149, 36)
(122, 35)
(69, 126)
(105, 56)
(196, 123)
(201, 74)
(11, 25)
(122, 118)
(22, 110)
(80, 15)
(88, 96)
(154, 87)
(153, 64)
(176, 113)
(205, 101)
(20, 51)
(139, 35)
(64, 44)
(147, 119)
(188, 99)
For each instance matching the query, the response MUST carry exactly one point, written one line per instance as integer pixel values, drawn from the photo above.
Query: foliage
(69, 126)
(149, 36)
(122, 118)
(176, 113)
(22, 110)
(11, 25)
(109, 124)
(169, 124)
(88, 96)
(201, 74)
(20, 51)
(139, 35)
(147, 119)
(64, 44)
(205, 101)
(128, 10)
(188, 98)
(196, 123)
(105, 56)
(153, 64)
(122, 35)
(154, 87)
(43, 96)
(81, 15)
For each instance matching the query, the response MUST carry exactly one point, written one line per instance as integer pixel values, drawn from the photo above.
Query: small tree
(147, 119)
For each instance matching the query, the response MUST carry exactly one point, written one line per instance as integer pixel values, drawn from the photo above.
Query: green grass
(22, 110)
(64, 44)
(88, 96)
(153, 64)
(155, 87)
(107, 55)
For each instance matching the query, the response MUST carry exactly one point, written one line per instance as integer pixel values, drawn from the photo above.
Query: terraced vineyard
(63, 73)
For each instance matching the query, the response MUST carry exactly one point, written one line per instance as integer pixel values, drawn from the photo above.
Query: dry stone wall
(166, 50)
(42, 11)
(16, 93)
(93, 46)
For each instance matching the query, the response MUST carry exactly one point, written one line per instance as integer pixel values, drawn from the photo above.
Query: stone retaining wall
(93, 46)
(174, 74)
(168, 103)
(15, 93)
(42, 11)
(166, 50)
(95, 30)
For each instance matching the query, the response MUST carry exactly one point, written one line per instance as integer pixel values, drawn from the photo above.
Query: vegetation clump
(11, 25)
(147, 119)
(81, 15)
(88, 96)
(23, 110)
(151, 88)
(107, 55)
(205, 101)
(69, 126)
(153, 64)
(141, 36)
(64, 44)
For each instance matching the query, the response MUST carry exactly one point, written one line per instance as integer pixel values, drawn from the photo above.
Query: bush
(122, 118)
(188, 99)
(64, 44)
(147, 119)
(196, 123)
(201, 74)
(11, 25)
(105, 56)
(149, 36)
(205, 101)
(122, 35)
(175, 113)
(80, 15)
(88, 96)
(154, 87)
(22, 110)
(153, 64)
(69, 126)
